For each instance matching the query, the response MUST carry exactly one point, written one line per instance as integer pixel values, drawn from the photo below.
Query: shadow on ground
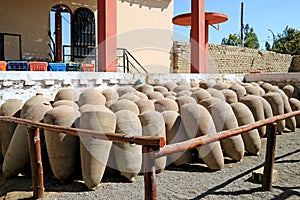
(286, 191)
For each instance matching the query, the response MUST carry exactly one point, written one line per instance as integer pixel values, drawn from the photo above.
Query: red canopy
(210, 17)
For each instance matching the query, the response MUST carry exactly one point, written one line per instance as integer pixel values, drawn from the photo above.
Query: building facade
(38, 30)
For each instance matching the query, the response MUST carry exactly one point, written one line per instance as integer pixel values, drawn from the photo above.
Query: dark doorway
(84, 35)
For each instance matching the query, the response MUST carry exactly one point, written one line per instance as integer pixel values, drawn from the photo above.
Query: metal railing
(52, 48)
(152, 147)
(127, 63)
(79, 52)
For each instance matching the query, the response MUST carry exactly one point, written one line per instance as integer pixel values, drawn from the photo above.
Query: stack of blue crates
(57, 67)
(17, 66)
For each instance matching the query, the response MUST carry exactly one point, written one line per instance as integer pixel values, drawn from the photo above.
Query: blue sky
(262, 15)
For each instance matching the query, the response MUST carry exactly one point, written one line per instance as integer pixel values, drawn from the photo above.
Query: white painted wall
(23, 85)
(145, 28)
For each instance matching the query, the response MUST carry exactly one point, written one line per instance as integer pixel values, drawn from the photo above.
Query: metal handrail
(127, 57)
(128, 53)
(72, 55)
(52, 53)
(195, 142)
(128, 65)
(115, 137)
(153, 152)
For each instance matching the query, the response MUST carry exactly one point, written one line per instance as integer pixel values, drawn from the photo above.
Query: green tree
(250, 39)
(288, 42)
(268, 46)
(232, 40)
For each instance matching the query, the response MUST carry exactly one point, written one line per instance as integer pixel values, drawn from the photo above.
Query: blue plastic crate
(73, 66)
(57, 67)
(17, 66)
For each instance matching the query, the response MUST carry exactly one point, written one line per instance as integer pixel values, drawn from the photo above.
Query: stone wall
(295, 65)
(229, 59)
(181, 57)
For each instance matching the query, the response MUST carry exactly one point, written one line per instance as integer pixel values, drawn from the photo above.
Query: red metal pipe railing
(195, 142)
(115, 137)
(150, 145)
(270, 152)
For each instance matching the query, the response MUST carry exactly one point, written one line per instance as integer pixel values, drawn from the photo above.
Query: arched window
(60, 32)
(84, 34)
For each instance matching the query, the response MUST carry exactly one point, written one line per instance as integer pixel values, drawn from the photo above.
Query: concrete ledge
(279, 79)
(114, 78)
(22, 85)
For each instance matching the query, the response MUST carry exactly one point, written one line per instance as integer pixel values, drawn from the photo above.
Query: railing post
(63, 53)
(270, 157)
(127, 63)
(149, 172)
(36, 162)
(124, 61)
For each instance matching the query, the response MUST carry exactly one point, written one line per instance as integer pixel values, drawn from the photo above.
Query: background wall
(229, 59)
(143, 27)
(30, 18)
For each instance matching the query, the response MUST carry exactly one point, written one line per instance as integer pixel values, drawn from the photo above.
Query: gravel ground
(193, 181)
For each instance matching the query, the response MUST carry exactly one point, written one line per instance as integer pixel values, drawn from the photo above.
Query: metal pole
(270, 156)
(2, 57)
(242, 24)
(198, 57)
(20, 45)
(127, 61)
(124, 61)
(36, 162)
(149, 173)
(58, 36)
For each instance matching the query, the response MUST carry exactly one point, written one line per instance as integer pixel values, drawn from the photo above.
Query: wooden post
(149, 173)
(36, 162)
(270, 156)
